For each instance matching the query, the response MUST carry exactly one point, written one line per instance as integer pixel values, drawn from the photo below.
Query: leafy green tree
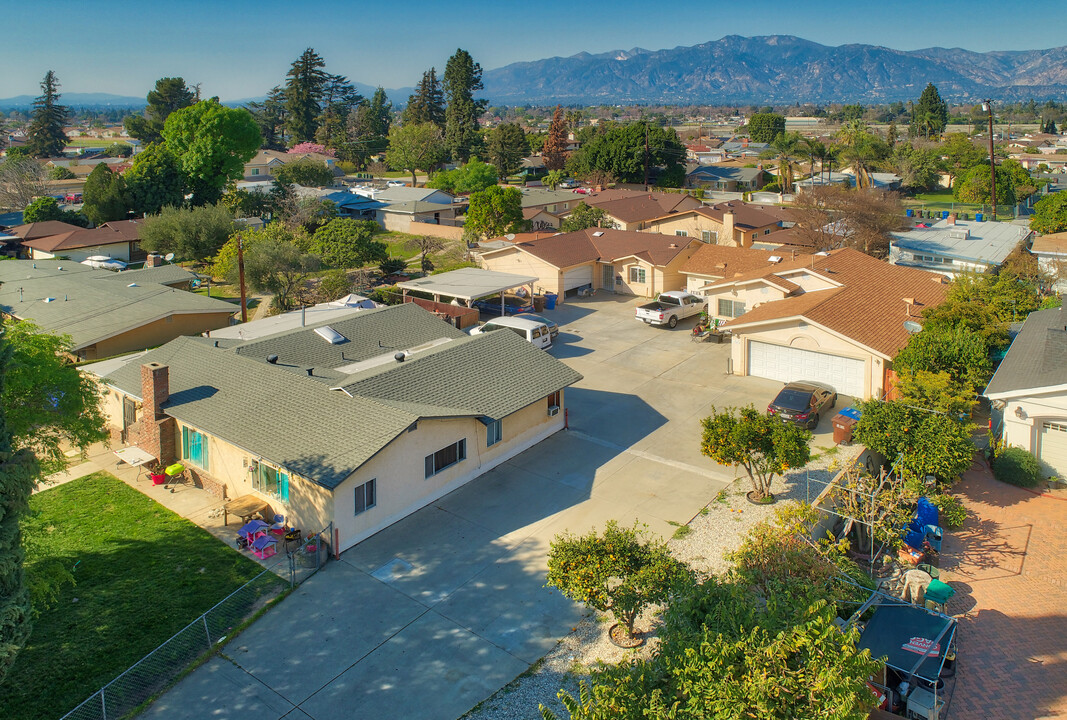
(1050, 214)
(275, 263)
(304, 88)
(554, 150)
(190, 233)
(553, 178)
(335, 284)
(427, 103)
(937, 391)
(45, 132)
(493, 212)
(18, 473)
(960, 352)
(415, 147)
(507, 147)
(927, 442)
(154, 181)
(61, 173)
(47, 208)
(211, 143)
(305, 171)
(368, 129)
(348, 243)
(919, 168)
(474, 176)
(763, 445)
(765, 127)
(251, 203)
(170, 94)
(973, 186)
(960, 155)
(119, 150)
(1021, 183)
(620, 152)
(929, 116)
(270, 117)
(104, 196)
(622, 571)
(862, 149)
(463, 77)
(785, 149)
(583, 217)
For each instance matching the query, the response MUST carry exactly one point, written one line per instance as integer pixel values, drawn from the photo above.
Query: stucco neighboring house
(120, 240)
(832, 317)
(636, 210)
(399, 216)
(711, 264)
(540, 220)
(729, 179)
(329, 428)
(554, 202)
(733, 223)
(1051, 254)
(951, 246)
(619, 261)
(106, 313)
(265, 163)
(1028, 392)
(1030, 161)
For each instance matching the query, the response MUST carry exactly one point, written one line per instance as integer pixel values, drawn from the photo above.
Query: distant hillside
(21, 102)
(778, 69)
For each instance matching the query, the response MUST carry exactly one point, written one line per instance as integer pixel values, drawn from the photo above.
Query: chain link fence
(304, 556)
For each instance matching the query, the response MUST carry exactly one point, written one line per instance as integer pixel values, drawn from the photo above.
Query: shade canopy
(904, 633)
(467, 283)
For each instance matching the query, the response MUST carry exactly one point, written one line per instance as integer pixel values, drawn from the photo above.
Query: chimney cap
(272, 359)
(400, 356)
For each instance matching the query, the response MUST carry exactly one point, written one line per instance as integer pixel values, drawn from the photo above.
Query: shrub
(335, 284)
(951, 512)
(393, 265)
(1017, 467)
(387, 295)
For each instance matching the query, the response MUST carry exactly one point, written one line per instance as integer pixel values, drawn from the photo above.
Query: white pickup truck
(670, 307)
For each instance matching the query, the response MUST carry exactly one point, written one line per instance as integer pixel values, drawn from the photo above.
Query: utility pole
(241, 275)
(646, 156)
(988, 105)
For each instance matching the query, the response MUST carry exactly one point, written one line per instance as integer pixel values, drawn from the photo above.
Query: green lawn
(141, 574)
(225, 291)
(943, 200)
(95, 142)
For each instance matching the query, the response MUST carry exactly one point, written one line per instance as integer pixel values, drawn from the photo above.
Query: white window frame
(366, 496)
(681, 233)
(733, 306)
(637, 274)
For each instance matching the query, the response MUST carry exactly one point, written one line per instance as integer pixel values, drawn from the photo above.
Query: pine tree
(427, 103)
(339, 98)
(554, 151)
(303, 93)
(930, 115)
(463, 77)
(18, 471)
(47, 138)
(170, 94)
(507, 148)
(104, 196)
(270, 116)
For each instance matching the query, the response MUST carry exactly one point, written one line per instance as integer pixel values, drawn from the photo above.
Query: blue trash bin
(979, 217)
(944, 214)
(550, 301)
(909, 212)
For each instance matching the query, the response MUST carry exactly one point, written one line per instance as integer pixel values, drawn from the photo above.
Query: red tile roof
(869, 306)
(121, 231)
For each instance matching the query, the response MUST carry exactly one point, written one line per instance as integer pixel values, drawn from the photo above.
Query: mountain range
(778, 69)
(767, 70)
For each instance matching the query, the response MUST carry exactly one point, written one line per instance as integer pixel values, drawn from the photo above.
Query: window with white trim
(366, 496)
(637, 275)
(446, 457)
(709, 236)
(731, 308)
(194, 448)
(555, 400)
(493, 433)
(681, 233)
(270, 480)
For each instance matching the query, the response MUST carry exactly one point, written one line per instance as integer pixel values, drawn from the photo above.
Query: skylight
(330, 335)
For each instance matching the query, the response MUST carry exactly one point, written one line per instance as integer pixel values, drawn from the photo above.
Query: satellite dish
(912, 327)
(169, 257)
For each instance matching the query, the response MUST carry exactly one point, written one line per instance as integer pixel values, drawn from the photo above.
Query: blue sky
(240, 48)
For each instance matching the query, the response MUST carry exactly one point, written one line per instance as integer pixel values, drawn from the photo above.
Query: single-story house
(347, 426)
(619, 261)
(635, 210)
(540, 220)
(834, 317)
(106, 313)
(729, 179)
(1051, 254)
(950, 246)
(881, 181)
(399, 216)
(733, 223)
(357, 207)
(711, 264)
(1031, 161)
(120, 239)
(393, 195)
(554, 202)
(266, 163)
(1028, 392)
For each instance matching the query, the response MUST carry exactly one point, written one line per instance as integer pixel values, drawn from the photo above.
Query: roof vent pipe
(272, 359)
(311, 372)
(399, 357)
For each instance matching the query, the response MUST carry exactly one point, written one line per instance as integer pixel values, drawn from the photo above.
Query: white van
(529, 330)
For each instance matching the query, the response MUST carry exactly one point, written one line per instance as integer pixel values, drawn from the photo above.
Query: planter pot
(159, 479)
(751, 497)
(618, 637)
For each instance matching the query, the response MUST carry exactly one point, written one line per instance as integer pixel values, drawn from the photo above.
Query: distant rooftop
(984, 242)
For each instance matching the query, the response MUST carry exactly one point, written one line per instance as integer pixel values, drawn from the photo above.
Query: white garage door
(576, 277)
(1053, 448)
(787, 364)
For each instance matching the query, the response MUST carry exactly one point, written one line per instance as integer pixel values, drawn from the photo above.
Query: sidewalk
(1008, 565)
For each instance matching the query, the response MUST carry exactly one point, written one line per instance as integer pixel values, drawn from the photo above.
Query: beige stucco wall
(516, 261)
(693, 225)
(750, 295)
(156, 333)
(399, 469)
(397, 222)
(1025, 432)
(809, 337)
(446, 232)
(118, 251)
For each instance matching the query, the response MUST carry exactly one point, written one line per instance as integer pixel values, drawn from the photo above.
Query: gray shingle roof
(1037, 357)
(162, 275)
(317, 430)
(90, 305)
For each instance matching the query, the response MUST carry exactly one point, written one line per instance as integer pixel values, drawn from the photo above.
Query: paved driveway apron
(434, 614)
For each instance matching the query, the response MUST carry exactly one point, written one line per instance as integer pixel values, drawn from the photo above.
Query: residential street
(432, 615)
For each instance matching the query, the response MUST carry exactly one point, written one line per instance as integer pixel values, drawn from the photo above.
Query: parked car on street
(670, 307)
(802, 403)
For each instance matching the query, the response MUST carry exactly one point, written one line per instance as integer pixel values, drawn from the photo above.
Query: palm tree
(860, 148)
(815, 150)
(785, 148)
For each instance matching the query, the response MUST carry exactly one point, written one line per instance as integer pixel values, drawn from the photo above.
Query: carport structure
(468, 284)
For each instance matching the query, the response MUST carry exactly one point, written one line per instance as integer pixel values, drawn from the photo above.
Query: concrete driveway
(434, 614)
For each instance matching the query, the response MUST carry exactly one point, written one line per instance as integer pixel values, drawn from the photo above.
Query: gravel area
(714, 532)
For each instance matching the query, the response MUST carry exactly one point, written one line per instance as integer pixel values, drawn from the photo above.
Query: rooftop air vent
(598, 233)
(330, 335)
(48, 300)
(272, 359)
(774, 259)
(399, 357)
(133, 285)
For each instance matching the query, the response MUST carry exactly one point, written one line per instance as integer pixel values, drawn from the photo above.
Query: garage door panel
(1053, 448)
(780, 362)
(577, 277)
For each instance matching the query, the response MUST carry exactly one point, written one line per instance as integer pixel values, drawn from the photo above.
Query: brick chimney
(158, 431)
(153, 260)
(951, 219)
(728, 229)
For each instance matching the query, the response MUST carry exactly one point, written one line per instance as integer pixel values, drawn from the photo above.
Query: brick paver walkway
(1009, 567)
